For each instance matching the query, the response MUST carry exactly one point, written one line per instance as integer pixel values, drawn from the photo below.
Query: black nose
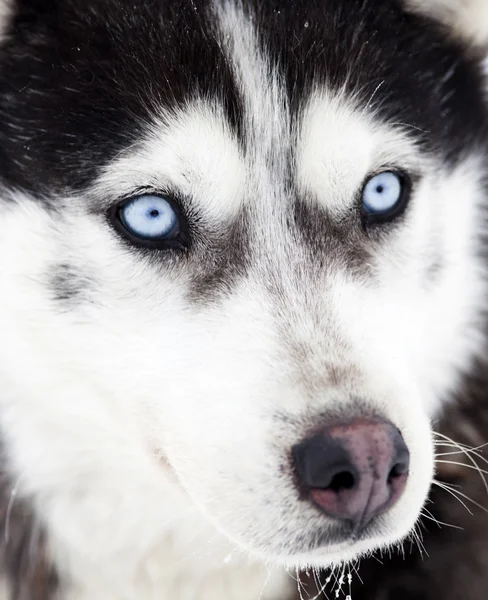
(354, 471)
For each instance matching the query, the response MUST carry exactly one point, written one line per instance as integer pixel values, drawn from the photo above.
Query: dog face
(199, 269)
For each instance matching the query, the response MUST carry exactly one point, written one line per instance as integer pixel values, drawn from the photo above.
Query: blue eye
(383, 195)
(150, 218)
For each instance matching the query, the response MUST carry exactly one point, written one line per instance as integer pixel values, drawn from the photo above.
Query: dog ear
(466, 19)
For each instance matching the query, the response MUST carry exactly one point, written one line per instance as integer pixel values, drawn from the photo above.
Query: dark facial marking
(222, 261)
(79, 82)
(402, 66)
(24, 553)
(335, 242)
(67, 284)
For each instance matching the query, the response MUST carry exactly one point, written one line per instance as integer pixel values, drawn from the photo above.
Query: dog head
(239, 242)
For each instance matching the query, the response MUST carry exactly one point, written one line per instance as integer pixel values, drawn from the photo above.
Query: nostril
(397, 471)
(401, 465)
(323, 463)
(344, 480)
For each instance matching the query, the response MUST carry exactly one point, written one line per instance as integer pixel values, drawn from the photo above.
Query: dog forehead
(111, 68)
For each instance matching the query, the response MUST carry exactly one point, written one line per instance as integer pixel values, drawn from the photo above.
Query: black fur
(400, 65)
(78, 82)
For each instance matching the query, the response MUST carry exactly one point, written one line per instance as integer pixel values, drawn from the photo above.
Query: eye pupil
(380, 189)
(154, 213)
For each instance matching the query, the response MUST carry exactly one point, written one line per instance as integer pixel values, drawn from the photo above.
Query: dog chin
(328, 547)
(335, 554)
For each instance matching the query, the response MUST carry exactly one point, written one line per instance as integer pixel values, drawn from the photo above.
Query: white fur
(339, 144)
(143, 427)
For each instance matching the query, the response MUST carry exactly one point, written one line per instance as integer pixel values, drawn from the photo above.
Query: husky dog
(241, 274)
